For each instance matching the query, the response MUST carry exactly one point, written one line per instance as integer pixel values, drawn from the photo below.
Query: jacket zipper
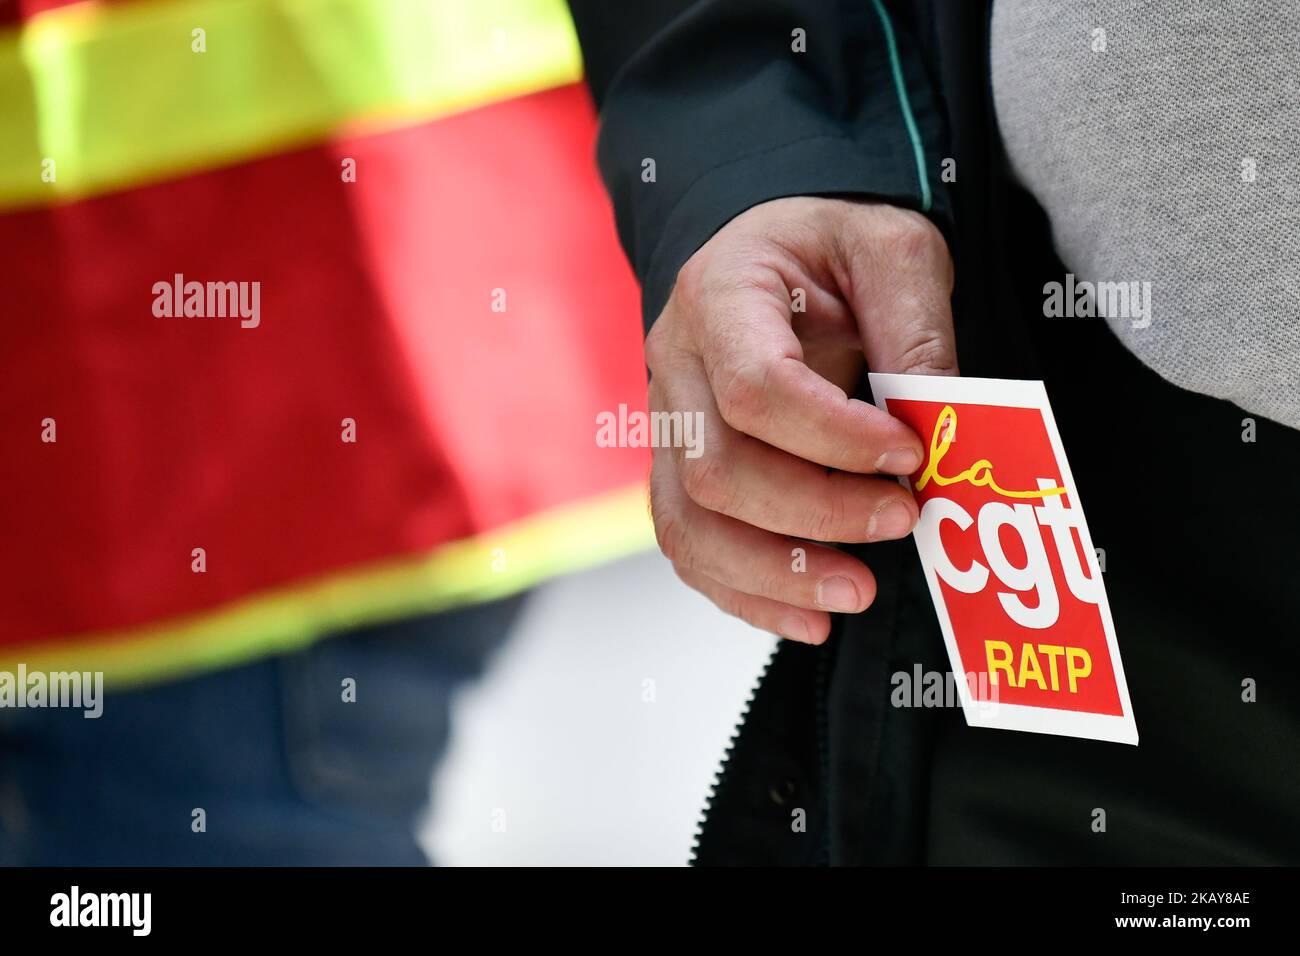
(823, 755)
(720, 774)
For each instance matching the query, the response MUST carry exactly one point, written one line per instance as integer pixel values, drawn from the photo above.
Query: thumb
(899, 276)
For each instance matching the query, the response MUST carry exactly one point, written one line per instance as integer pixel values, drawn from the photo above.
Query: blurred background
(597, 730)
(310, 310)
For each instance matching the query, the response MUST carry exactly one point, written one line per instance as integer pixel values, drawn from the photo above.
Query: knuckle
(656, 346)
(911, 236)
(835, 515)
(821, 518)
(823, 524)
(706, 481)
(688, 287)
(777, 586)
(741, 394)
(928, 351)
(670, 533)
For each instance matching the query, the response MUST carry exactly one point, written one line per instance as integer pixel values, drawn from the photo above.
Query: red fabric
(177, 433)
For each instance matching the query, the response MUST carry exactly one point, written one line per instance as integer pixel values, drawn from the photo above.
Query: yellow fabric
(116, 95)
(493, 565)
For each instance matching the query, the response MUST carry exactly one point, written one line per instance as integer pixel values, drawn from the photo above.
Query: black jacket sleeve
(732, 113)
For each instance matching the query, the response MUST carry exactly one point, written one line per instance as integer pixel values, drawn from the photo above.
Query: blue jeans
(284, 771)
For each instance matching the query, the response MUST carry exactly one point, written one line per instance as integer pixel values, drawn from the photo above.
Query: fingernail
(900, 461)
(891, 520)
(838, 594)
(794, 628)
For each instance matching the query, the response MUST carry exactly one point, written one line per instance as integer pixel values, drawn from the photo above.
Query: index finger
(763, 388)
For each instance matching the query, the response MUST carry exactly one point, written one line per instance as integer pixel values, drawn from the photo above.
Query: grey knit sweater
(1163, 140)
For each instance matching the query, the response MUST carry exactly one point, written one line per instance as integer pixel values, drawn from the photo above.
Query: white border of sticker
(1042, 720)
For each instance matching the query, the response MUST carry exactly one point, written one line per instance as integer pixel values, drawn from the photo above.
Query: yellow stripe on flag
(95, 98)
(493, 565)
